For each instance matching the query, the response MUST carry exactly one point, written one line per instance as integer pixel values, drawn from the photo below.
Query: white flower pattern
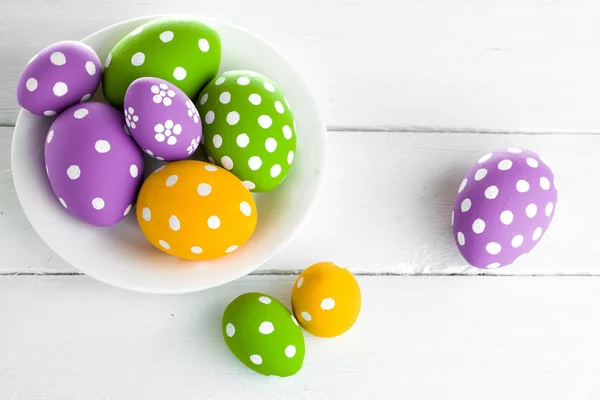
(164, 131)
(194, 145)
(192, 111)
(131, 118)
(163, 94)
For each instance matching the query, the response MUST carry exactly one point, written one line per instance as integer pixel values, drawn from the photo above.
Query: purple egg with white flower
(162, 119)
(504, 206)
(95, 169)
(61, 75)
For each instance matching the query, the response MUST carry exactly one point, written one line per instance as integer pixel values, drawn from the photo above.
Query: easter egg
(162, 119)
(249, 128)
(184, 52)
(59, 76)
(503, 208)
(195, 210)
(95, 169)
(326, 299)
(263, 335)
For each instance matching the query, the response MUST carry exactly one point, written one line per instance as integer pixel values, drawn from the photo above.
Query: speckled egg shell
(195, 210)
(261, 333)
(59, 76)
(503, 208)
(94, 167)
(185, 52)
(162, 119)
(326, 299)
(249, 128)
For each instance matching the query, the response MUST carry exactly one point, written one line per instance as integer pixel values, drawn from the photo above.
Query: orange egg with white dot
(326, 299)
(195, 210)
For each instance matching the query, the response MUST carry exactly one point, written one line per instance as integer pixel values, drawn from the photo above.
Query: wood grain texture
(386, 207)
(530, 65)
(451, 338)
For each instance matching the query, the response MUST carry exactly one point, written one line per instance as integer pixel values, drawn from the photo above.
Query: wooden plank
(499, 64)
(451, 338)
(386, 207)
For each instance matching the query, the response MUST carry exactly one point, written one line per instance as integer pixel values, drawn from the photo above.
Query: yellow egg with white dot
(195, 210)
(326, 299)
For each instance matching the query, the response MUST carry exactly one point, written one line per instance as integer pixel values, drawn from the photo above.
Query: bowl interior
(120, 255)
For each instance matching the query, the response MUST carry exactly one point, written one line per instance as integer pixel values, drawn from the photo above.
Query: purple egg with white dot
(95, 169)
(504, 206)
(61, 75)
(162, 119)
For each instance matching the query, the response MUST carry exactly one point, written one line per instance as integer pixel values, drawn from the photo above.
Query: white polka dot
(327, 304)
(204, 189)
(245, 208)
(266, 328)
(210, 159)
(220, 81)
(31, 84)
(210, 117)
(62, 202)
(275, 170)
(532, 162)
(255, 99)
(269, 87)
(517, 241)
(159, 169)
(295, 320)
(149, 152)
(271, 145)
(265, 121)
(514, 150)
(102, 146)
(506, 217)
(231, 249)
(146, 214)
(233, 118)
(264, 300)
(522, 186)
(290, 351)
(107, 62)
(254, 163)
(485, 158)
(203, 45)
(537, 233)
(85, 98)
(211, 168)
(493, 248)
(217, 141)
(290, 157)
(300, 282)
(230, 330)
(461, 238)
(256, 359)
(480, 174)
(90, 67)
(549, 209)
(166, 36)
(465, 205)
(242, 140)
(227, 162)
(196, 249)
(214, 222)
(225, 97)
(164, 244)
(82, 112)
(58, 58)
(98, 203)
(249, 185)
(478, 226)
(174, 223)
(491, 192)
(60, 89)
(287, 132)
(505, 165)
(544, 183)
(49, 113)
(133, 170)
(494, 265)
(74, 172)
(243, 81)
(138, 59)
(136, 31)
(179, 73)
(203, 99)
(279, 107)
(306, 316)
(171, 180)
(50, 136)
(531, 210)
(462, 186)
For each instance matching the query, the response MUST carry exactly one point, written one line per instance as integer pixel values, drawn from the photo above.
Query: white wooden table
(413, 92)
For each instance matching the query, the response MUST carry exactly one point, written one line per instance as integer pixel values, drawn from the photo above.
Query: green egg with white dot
(183, 51)
(264, 335)
(248, 128)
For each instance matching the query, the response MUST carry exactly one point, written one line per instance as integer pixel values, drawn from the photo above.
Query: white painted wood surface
(529, 65)
(451, 338)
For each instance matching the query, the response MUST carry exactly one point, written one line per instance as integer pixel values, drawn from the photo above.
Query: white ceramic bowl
(120, 255)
